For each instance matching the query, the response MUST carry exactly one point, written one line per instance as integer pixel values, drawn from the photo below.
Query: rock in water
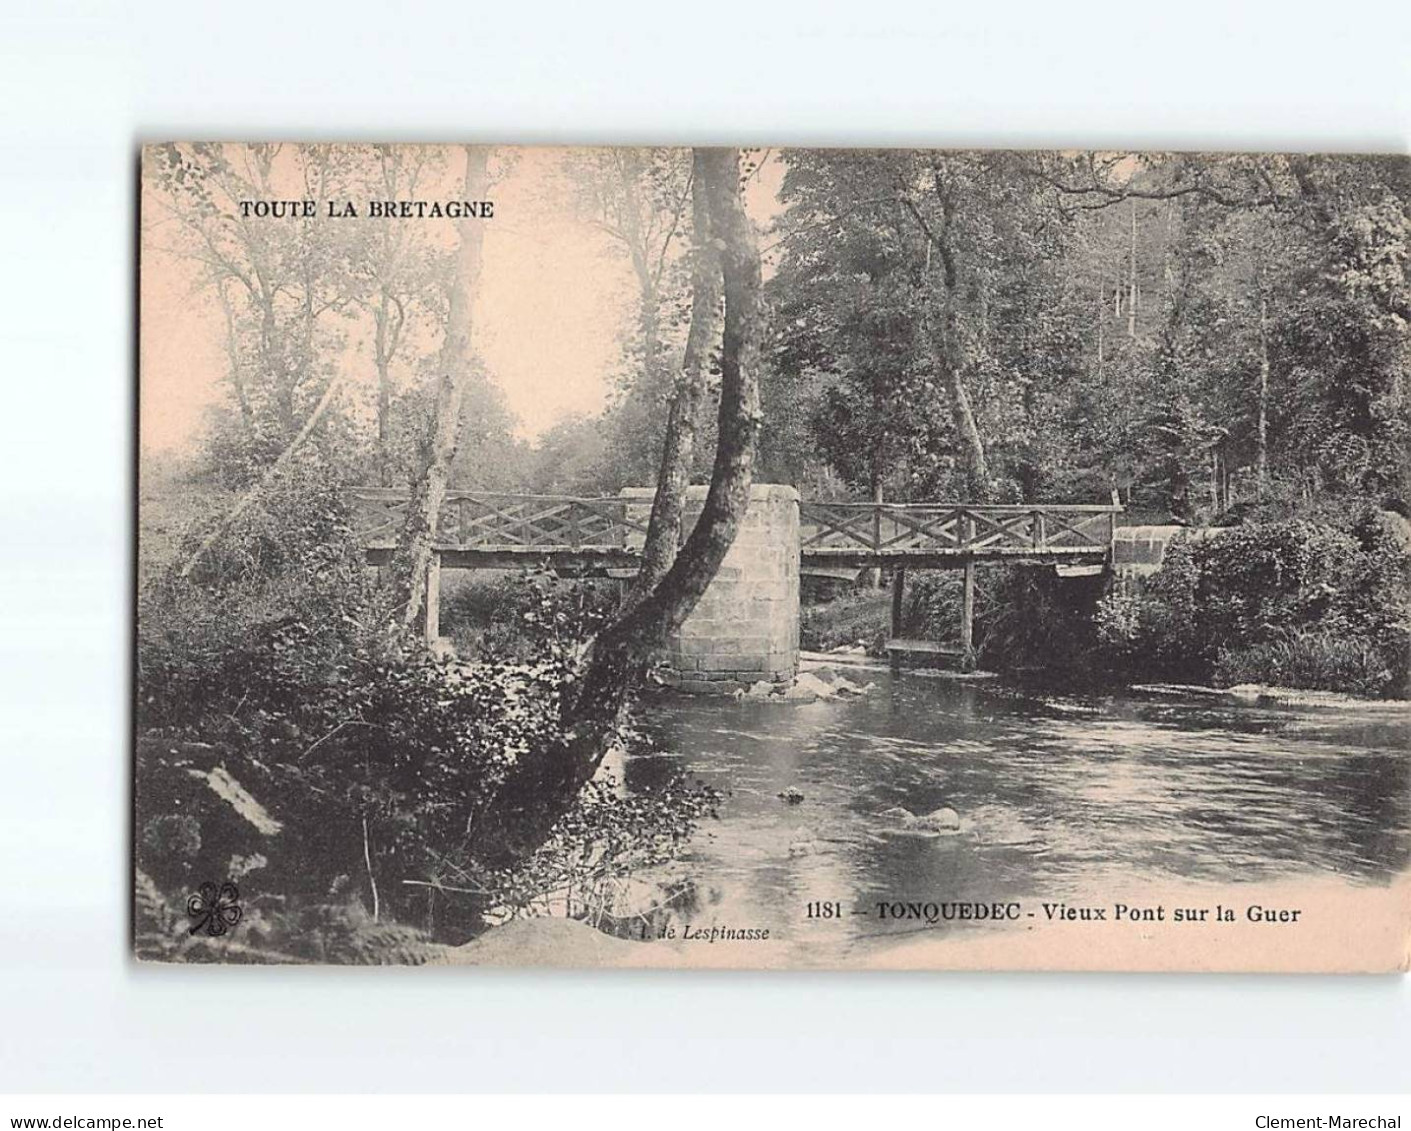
(942, 820)
(808, 687)
(805, 843)
(793, 795)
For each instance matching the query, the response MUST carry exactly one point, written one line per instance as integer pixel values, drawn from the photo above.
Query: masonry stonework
(746, 626)
(1139, 551)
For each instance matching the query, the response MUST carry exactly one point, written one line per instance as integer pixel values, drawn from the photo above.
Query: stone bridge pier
(746, 626)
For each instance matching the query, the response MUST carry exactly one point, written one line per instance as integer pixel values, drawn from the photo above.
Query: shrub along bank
(286, 741)
(1294, 603)
(1322, 604)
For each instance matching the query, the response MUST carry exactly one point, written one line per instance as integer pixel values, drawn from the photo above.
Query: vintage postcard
(773, 558)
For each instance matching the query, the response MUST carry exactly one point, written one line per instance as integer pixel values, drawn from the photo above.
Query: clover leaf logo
(214, 909)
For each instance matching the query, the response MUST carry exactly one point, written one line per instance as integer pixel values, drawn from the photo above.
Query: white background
(83, 83)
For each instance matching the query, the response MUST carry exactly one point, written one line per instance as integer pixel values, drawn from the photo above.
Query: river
(1059, 798)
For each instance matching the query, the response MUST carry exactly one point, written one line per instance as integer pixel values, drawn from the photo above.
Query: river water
(1059, 797)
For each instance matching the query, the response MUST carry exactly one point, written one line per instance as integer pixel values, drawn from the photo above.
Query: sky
(554, 298)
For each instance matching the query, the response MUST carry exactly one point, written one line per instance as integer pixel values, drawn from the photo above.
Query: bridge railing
(491, 520)
(899, 528)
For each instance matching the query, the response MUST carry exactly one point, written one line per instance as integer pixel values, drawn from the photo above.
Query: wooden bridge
(493, 530)
(944, 535)
(489, 530)
(604, 537)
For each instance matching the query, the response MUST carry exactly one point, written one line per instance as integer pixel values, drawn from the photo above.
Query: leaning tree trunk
(674, 475)
(942, 331)
(387, 333)
(1262, 426)
(544, 782)
(413, 557)
(972, 448)
(944, 337)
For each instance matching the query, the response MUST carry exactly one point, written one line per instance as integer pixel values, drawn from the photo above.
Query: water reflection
(1056, 795)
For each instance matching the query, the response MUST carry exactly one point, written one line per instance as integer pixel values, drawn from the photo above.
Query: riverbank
(1268, 696)
(1251, 693)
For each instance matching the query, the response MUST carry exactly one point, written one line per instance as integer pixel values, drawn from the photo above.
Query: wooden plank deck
(603, 561)
(910, 653)
(923, 647)
(928, 557)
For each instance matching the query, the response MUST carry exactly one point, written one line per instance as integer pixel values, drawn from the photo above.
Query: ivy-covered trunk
(674, 476)
(544, 782)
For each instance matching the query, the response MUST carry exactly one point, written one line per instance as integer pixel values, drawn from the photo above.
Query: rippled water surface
(1057, 796)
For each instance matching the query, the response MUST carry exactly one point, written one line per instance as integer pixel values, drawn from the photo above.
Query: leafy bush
(1375, 596)
(854, 618)
(1296, 602)
(1028, 617)
(278, 721)
(514, 616)
(931, 607)
(1258, 582)
(596, 860)
(1157, 629)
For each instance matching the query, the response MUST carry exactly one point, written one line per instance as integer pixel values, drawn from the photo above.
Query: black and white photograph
(736, 565)
(773, 558)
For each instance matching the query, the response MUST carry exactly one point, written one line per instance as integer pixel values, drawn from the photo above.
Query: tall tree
(898, 298)
(639, 199)
(932, 195)
(397, 269)
(413, 556)
(679, 447)
(543, 782)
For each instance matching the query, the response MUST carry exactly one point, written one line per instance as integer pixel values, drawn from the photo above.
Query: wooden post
(898, 599)
(875, 581)
(967, 620)
(433, 598)
(967, 604)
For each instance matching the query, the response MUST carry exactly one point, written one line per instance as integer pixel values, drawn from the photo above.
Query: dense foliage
(1295, 603)
(272, 698)
(514, 615)
(1195, 332)
(1220, 340)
